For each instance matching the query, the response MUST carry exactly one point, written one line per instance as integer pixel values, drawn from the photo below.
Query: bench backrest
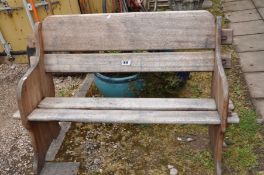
(150, 31)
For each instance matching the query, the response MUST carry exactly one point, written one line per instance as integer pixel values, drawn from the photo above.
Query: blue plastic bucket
(129, 86)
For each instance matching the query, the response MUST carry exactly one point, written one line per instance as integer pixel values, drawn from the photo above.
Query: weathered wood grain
(65, 102)
(227, 36)
(126, 116)
(220, 84)
(32, 88)
(137, 62)
(173, 104)
(221, 95)
(130, 31)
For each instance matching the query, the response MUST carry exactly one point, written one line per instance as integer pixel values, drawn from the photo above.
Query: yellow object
(16, 28)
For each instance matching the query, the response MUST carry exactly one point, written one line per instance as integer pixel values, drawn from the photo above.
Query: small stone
(69, 78)
(96, 161)
(13, 66)
(179, 139)
(173, 171)
(170, 166)
(189, 139)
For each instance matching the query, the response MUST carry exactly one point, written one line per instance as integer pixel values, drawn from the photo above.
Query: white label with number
(126, 62)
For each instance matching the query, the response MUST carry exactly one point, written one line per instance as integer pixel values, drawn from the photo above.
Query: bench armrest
(29, 93)
(32, 88)
(35, 84)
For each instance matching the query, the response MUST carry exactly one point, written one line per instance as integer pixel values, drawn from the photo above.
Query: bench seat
(130, 110)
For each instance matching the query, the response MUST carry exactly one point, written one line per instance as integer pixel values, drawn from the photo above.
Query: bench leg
(216, 141)
(42, 134)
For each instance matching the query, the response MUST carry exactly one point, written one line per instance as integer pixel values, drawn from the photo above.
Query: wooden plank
(56, 143)
(131, 62)
(227, 36)
(60, 168)
(85, 86)
(129, 104)
(65, 126)
(168, 30)
(220, 84)
(126, 116)
(221, 95)
(227, 60)
(173, 104)
(44, 104)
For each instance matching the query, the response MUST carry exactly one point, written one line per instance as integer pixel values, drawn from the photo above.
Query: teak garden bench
(178, 41)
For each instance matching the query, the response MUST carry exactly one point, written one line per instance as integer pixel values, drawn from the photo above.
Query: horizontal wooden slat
(131, 62)
(85, 103)
(192, 104)
(173, 104)
(126, 116)
(130, 31)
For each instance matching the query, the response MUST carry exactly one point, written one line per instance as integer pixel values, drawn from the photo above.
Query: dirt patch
(141, 149)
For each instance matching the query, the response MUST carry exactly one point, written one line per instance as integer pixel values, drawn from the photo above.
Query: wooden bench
(178, 41)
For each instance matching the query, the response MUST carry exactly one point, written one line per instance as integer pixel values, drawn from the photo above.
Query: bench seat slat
(174, 104)
(136, 62)
(126, 116)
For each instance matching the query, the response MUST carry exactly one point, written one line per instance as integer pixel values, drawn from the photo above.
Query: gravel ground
(16, 154)
(15, 149)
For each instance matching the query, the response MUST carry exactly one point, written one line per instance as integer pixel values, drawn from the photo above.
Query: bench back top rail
(130, 31)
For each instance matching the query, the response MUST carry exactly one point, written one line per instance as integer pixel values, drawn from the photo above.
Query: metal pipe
(30, 19)
(6, 46)
(13, 53)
